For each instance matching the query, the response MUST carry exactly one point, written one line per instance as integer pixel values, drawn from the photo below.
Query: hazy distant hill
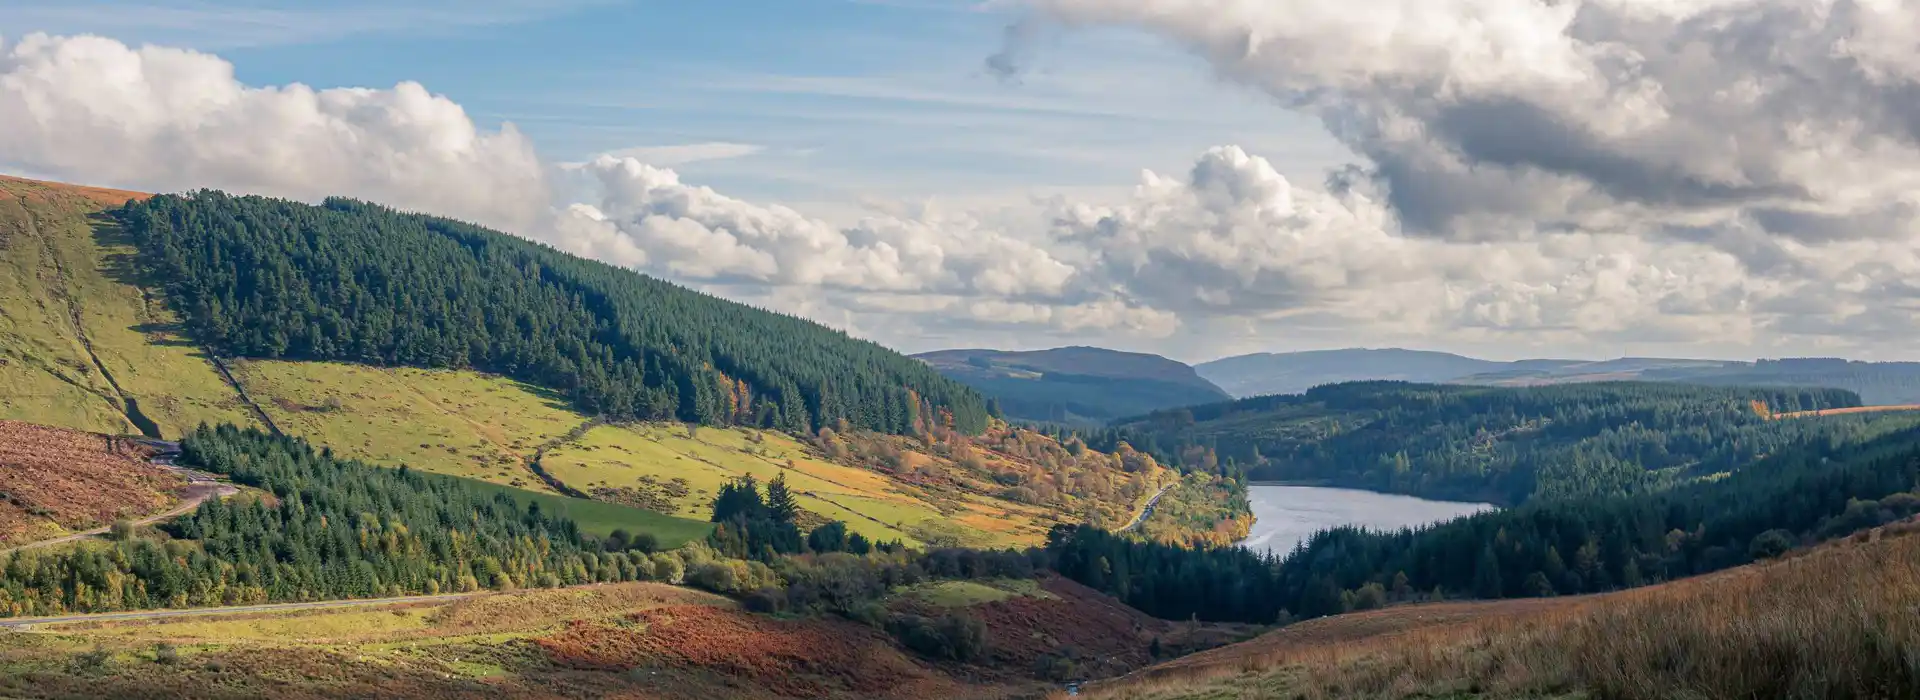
(1877, 383)
(1294, 372)
(1076, 384)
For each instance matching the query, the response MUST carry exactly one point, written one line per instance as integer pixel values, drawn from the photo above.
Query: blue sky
(833, 101)
(1536, 180)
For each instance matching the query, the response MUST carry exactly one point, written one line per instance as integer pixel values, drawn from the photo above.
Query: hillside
(1001, 487)
(83, 344)
(351, 281)
(1076, 385)
(1830, 622)
(54, 481)
(1491, 444)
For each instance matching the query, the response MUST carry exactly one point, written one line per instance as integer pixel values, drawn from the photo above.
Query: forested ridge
(1802, 495)
(1493, 444)
(334, 529)
(351, 281)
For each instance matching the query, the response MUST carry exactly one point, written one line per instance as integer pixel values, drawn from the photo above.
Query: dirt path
(200, 487)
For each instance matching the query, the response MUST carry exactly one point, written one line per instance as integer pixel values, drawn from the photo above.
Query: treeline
(329, 529)
(1492, 444)
(1803, 495)
(355, 282)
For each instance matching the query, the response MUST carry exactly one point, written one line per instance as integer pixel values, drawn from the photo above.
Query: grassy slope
(58, 263)
(1835, 621)
(460, 423)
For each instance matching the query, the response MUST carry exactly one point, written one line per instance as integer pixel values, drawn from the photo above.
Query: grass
(61, 262)
(601, 518)
(625, 456)
(1838, 621)
(458, 423)
(958, 594)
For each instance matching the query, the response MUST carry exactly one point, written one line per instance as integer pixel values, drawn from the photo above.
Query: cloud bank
(1627, 172)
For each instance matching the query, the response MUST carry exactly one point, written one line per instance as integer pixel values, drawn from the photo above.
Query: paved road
(1147, 511)
(29, 622)
(200, 487)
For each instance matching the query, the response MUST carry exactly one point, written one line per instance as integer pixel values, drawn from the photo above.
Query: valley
(609, 486)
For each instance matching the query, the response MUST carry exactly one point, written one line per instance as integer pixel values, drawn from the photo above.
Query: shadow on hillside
(121, 263)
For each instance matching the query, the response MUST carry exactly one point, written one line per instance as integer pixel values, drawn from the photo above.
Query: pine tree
(780, 502)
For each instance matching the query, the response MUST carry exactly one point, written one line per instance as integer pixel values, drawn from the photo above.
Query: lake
(1285, 515)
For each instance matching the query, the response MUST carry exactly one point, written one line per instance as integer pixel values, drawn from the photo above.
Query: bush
(1770, 544)
(956, 636)
(668, 568)
(766, 600)
(165, 654)
(91, 662)
(870, 613)
(714, 576)
(122, 530)
(645, 543)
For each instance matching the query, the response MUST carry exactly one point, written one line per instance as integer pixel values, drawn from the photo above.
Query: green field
(626, 456)
(447, 422)
(600, 519)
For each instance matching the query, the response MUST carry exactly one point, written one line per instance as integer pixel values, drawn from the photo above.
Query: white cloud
(1651, 230)
(95, 110)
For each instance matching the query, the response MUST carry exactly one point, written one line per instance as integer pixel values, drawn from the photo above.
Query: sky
(1195, 178)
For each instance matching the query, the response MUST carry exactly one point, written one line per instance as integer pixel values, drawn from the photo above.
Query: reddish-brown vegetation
(1835, 621)
(74, 480)
(796, 658)
(12, 187)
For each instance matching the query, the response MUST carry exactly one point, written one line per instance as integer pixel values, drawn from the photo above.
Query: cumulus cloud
(93, 109)
(1617, 171)
(1497, 118)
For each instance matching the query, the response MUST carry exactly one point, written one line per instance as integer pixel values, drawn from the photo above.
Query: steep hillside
(1498, 445)
(56, 481)
(1832, 622)
(355, 282)
(1076, 385)
(83, 344)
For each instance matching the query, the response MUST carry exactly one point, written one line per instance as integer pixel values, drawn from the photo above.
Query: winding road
(200, 487)
(1148, 510)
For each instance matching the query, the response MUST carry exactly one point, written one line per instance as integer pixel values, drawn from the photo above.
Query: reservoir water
(1285, 515)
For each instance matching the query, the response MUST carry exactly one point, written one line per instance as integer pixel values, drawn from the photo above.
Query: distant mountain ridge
(1263, 374)
(1075, 385)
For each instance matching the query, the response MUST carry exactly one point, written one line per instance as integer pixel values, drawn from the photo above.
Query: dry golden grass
(1841, 621)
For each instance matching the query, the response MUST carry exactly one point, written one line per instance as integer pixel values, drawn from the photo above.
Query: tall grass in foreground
(1841, 621)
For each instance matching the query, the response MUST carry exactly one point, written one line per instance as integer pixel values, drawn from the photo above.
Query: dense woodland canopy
(351, 281)
(1498, 445)
(1806, 494)
(336, 529)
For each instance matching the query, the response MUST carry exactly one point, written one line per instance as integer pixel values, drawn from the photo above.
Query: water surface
(1285, 515)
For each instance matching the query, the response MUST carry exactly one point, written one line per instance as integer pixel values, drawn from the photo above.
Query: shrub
(668, 568)
(1770, 544)
(165, 654)
(766, 600)
(956, 636)
(122, 530)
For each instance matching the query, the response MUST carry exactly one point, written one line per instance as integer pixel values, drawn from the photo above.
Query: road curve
(29, 622)
(200, 487)
(1147, 509)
